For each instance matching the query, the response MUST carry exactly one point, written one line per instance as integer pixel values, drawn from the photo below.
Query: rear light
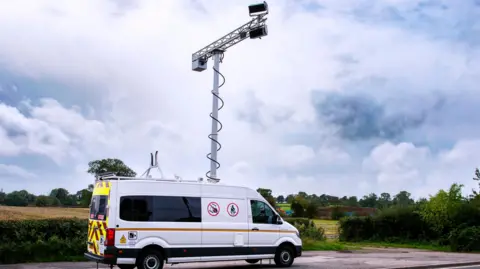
(110, 239)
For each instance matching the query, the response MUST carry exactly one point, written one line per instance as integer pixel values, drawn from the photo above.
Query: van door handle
(255, 229)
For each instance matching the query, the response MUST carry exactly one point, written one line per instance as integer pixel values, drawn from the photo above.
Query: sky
(342, 97)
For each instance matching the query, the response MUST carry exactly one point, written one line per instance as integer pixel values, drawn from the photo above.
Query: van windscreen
(98, 207)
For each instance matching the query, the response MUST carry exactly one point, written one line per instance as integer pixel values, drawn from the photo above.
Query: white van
(145, 223)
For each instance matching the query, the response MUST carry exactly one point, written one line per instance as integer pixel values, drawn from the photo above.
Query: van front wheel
(284, 256)
(150, 259)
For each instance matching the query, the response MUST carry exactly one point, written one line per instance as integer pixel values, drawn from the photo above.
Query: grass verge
(310, 245)
(412, 245)
(333, 245)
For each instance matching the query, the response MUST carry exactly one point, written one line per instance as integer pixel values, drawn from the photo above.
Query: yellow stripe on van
(101, 188)
(199, 230)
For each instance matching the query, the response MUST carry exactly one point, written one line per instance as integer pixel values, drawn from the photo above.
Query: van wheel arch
(290, 245)
(155, 248)
(152, 251)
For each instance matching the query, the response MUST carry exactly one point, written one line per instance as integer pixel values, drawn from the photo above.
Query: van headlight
(298, 234)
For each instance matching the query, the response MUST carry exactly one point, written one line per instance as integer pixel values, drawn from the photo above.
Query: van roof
(165, 180)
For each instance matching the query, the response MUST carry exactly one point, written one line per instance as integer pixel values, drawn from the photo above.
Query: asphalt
(362, 259)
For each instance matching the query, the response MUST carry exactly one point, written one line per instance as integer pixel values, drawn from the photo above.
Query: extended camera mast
(255, 28)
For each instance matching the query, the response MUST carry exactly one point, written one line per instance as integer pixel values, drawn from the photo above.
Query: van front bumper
(298, 251)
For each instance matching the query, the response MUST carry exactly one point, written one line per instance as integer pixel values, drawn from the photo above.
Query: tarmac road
(362, 259)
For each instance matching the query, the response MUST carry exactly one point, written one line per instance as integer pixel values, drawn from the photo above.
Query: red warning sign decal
(213, 209)
(232, 209)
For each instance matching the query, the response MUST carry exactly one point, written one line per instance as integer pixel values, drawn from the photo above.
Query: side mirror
(278, 220)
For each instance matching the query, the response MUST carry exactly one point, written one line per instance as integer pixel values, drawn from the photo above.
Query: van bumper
(109, 259)
(298, 251)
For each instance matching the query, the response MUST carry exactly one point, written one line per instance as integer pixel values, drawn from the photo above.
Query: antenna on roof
(153, 164)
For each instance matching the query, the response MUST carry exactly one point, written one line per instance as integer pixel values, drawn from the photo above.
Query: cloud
(362, 117)
(353, 98)
(397, 165)
(13, 171)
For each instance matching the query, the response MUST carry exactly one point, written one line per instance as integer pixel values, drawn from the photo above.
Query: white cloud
(13, 171)
(137, 61)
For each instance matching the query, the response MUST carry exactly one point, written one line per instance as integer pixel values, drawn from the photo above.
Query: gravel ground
(362, 259)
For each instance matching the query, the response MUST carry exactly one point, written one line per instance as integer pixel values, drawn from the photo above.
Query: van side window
(161, 208)
(177, 209)
(261, 212)
(136, 208)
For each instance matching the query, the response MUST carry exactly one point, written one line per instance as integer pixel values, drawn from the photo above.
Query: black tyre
(284, 256)
(150, 259)
(126, 266)
(252, 261)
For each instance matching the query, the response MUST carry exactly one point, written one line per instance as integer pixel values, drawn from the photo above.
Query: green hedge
(307, 229)
(404, 225)
(42, 240)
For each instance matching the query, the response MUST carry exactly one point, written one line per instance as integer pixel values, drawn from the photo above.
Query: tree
(438, 212)
(476, 178)
(311, 210)
(281, 199)
(267, 194)
(43, 200)
(369, 200)
(62, 195)
(352, 201)
(298, 207)
(403, 199)
(290, 198)
(385, 200)
(302, 194)
(421, 201)
(2, 197)
(17, 198)
(110, 165)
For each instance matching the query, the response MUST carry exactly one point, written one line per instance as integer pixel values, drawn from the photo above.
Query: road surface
(361, 259)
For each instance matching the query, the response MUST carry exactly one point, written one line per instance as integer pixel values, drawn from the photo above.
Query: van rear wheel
(284, 256)
(252, 261)
(150, 259)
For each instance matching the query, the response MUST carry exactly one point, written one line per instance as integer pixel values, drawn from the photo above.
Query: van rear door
(98, 217)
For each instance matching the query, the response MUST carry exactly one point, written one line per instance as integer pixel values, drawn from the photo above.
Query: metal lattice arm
(230, 39)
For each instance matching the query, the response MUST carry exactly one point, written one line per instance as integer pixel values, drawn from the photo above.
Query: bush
(43, 201)
(355, 229)
(465, 239)
(393, 224)
(298, 221)
(42, 240)
(307, 229)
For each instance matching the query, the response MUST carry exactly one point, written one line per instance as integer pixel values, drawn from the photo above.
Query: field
(19, 213)
(284, 207)
(330, 227)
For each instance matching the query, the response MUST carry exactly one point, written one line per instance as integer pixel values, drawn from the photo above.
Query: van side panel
(167, 234)
(226, 231)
